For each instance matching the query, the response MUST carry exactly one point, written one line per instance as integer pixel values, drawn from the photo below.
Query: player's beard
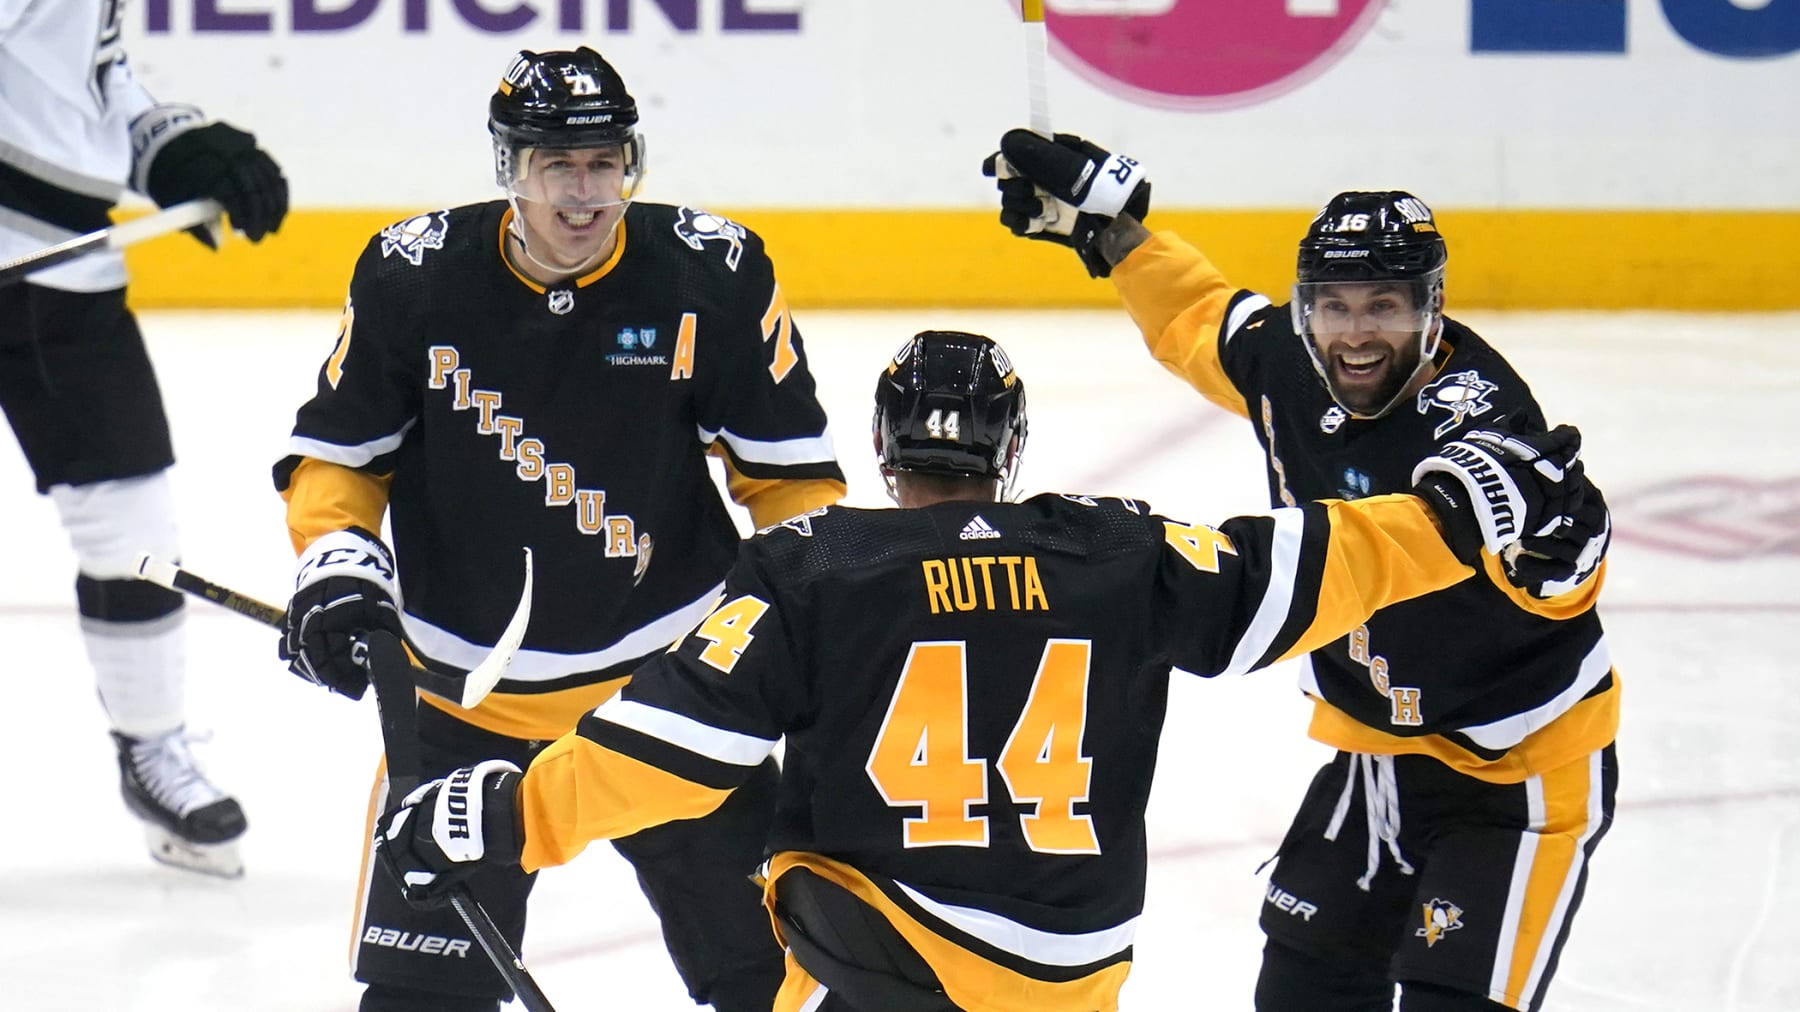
(1371, 395)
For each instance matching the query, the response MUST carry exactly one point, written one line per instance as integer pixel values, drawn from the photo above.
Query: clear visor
(593, 178)
(1333, 308)
(1334, 317)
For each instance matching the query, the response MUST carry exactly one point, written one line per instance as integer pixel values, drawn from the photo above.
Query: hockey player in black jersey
(1475, 725)
(77, 130)
(971, 692)
(552, 370)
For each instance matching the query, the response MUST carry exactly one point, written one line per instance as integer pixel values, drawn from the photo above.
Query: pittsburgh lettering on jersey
(969, 583)
(1404, 700)
(1275, 464)
(529, 460)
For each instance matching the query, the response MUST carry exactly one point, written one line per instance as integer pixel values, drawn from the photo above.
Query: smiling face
(1366, 339)
(570, 203)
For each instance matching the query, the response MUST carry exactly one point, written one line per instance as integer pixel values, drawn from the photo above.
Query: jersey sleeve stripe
(799, 450)
(685, 732)
(1240, 313)
(544, 666)
(1046, 947)
(1278, 595)
(1509, 731)
(356, 455)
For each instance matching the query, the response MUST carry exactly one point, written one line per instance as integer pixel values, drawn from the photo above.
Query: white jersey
(67, 99)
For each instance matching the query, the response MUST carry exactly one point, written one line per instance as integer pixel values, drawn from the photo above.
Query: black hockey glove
(343, 590)
(1491, 489)
(1066, 191)
(1567, 549)
(178, 156)
(443, 831)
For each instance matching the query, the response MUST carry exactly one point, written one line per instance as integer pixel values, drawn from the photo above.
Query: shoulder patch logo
(1441, 918)
(1463, 394)
(801, 525)
(697, 228)
(978, 529)
(412, 237)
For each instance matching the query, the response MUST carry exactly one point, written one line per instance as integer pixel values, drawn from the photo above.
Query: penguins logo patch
(697, 228)
(1463, 394)
(412, 237)
(1441, 918)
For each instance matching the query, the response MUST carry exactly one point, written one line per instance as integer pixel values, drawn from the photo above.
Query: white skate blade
(221, 859)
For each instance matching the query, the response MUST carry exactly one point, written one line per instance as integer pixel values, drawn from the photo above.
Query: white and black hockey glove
(443, 832)
(1522, 497)
(178, 156)
(1066, 190)
(1566, 549)
(343, 590)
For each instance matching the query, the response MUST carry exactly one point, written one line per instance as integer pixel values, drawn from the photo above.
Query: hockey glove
(1084, 186)
(1491, 489)
(177, 156)
(1567, 549)
(444, 830)
(343, 590)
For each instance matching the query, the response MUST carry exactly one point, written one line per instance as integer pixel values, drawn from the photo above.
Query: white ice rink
(1692, 426)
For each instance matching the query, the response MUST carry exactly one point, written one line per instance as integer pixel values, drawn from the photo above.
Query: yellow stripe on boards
(1033, 10)
(867, 259)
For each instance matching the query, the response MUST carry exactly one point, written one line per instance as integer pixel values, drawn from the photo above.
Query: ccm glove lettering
(343, 590)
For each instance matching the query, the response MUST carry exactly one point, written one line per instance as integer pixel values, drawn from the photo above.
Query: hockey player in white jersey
(76, 132)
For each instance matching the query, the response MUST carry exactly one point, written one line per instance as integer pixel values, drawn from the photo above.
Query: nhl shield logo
(1441, 918)
(412, 237)
(561, 301)
(1333, 419)
(1463, 394)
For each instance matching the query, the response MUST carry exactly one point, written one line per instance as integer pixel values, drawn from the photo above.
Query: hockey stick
(128, 233)
(1037, 45)
(392, 681)
(1037, 92)
(463, 690)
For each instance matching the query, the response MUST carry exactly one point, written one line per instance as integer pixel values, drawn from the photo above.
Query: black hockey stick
(463, 690)
(128, 233)
(389, 675)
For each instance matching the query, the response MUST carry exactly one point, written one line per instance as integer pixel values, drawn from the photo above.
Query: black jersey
(1480, 667)
(971, 695)
(574, 420)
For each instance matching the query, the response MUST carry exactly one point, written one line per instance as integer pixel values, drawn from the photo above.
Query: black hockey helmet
(562, 99)
(1363, 237)
(950, 404)
(1371, 236)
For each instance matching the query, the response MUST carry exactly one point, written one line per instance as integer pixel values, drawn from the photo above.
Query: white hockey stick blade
(479, 682)
(170, 219)
(204, 212)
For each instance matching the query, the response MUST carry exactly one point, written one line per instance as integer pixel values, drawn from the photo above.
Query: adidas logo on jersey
(977, 529)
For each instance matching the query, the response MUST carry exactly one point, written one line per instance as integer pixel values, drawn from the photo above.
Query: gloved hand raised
(1523, 497)
(177, 156)
(443, 831)
(343, 590)
(1066, 190)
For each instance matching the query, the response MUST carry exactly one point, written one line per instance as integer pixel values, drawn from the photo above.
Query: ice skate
(188, 822)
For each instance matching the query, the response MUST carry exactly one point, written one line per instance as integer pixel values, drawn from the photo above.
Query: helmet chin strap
(517, 228)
